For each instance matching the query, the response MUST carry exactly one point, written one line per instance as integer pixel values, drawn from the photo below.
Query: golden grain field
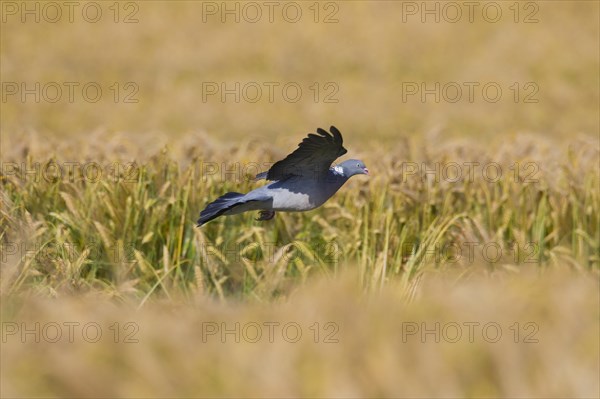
(466, 265)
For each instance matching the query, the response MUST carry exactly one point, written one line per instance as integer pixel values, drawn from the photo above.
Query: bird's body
(301, 182)
(295, 194)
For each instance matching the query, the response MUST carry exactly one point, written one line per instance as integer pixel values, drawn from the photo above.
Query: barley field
(465, 265)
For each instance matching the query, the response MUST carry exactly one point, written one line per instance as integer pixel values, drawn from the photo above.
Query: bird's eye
(358, 165)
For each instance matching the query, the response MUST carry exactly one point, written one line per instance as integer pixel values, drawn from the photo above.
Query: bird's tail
(218, 207)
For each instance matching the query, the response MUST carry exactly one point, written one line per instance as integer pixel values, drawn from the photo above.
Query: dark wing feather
(312, 158)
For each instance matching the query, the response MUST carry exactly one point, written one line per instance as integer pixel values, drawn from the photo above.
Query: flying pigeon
(302, 181)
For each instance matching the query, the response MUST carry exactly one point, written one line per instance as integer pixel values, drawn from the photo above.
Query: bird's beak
(366, 171)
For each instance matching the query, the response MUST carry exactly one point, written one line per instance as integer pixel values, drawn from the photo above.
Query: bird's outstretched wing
(311, 159)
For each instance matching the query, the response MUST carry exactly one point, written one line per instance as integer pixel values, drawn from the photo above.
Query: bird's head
(353, 167)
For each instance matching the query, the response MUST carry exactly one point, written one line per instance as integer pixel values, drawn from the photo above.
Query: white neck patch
(338, 170)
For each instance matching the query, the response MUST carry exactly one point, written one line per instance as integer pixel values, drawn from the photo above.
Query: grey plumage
(302, 181)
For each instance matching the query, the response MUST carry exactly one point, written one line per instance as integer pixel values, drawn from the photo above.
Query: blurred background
(254, 70)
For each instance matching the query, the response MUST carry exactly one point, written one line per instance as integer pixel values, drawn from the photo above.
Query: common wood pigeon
(302, 181)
